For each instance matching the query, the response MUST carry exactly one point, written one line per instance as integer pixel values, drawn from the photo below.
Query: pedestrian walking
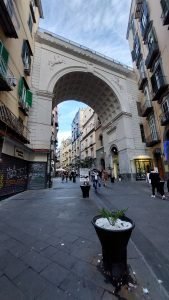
(155, 181)
(63, 177)
(104, 177)
(95, 180)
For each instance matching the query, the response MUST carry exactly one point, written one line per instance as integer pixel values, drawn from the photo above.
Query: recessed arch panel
(90, 89)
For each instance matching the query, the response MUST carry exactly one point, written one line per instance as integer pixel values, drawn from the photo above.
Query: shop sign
(19, 153)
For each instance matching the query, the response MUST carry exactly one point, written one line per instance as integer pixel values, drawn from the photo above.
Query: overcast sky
(100, 25)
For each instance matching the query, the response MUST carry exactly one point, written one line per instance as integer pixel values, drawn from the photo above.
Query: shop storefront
(13, 175)
(143, 166)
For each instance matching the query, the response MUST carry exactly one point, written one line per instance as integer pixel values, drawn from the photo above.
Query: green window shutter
(20, 87)
(5, 55)
(1, 45)
(29, 97)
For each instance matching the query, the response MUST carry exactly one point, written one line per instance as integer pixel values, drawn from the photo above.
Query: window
(101, 140)
(146, 93)
(25, 95)
(152, 126)
(144, 17)
(165, 105)
(142, 133)
(151, 39)
(132, 25)
(26, 56)
(141, 68)
(30, 23)
(4, 55)
(32, 9)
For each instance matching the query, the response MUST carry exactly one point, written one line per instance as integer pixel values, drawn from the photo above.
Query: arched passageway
(91, 90)
(67, 71)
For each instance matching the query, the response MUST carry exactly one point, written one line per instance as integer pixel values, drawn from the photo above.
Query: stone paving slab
(49, 248)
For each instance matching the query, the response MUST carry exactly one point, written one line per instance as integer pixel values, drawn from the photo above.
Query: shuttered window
(4, 55)
(25, 95)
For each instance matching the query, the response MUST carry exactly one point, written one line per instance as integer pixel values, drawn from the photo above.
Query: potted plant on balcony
(114, 230)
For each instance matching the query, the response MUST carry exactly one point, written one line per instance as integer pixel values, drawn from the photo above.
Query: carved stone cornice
(117, 117)
(58, 42)
(45, 94)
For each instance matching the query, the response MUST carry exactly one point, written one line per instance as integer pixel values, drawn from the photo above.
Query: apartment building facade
(76, 129)
(88, 139)
(18, 25)
(148, 37)
(66, 154)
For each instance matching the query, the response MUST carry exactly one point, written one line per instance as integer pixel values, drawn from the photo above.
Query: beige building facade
(18, 24)
(148, 37)
(66, 154)
(88, 139)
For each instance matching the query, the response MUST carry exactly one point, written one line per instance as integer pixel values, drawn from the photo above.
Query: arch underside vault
(87, 88)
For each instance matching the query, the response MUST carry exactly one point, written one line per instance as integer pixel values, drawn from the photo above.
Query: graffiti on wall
(37, 175)
(13, 175)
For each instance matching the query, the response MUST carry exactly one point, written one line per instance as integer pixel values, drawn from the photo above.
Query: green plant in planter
(112, 216)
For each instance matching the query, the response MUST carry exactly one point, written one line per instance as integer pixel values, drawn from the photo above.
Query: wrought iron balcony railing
(152, 139)
(153, 52)
(159, 86)
(142, 80)
(146, 108)
(11, 125)
(7, 79)
(9, 19)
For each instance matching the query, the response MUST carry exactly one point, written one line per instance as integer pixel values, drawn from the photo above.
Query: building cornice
(44, 94)
(117, 117)
(49, 38)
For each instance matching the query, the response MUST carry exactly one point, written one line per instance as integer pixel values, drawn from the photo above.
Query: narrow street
(49, 249)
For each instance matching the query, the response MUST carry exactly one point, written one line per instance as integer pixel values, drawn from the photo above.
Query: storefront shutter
(29, 97)
(20, 87)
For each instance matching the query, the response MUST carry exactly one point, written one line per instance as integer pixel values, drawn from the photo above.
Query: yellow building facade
(18, 25)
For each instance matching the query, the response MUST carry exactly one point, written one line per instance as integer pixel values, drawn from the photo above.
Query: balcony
(138, 10)
(153, 52)
(152, 140)
(159, 86)
(8, 18)
(23, 107)
(7, 79)
(11, 126)
(165, 12)
(142, 80)
(164, 118)
(146, 108)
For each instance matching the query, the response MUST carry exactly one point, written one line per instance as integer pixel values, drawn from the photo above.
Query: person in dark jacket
(155, 180)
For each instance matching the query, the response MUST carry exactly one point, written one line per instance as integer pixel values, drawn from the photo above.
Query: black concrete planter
(114, 250)
(85, 190)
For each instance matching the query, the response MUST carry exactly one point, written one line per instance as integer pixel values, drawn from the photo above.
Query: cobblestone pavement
(49, 249)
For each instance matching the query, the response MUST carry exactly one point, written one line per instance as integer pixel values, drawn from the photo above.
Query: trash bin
(85, 190)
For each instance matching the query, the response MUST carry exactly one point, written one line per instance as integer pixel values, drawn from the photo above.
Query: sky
(100, 25)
